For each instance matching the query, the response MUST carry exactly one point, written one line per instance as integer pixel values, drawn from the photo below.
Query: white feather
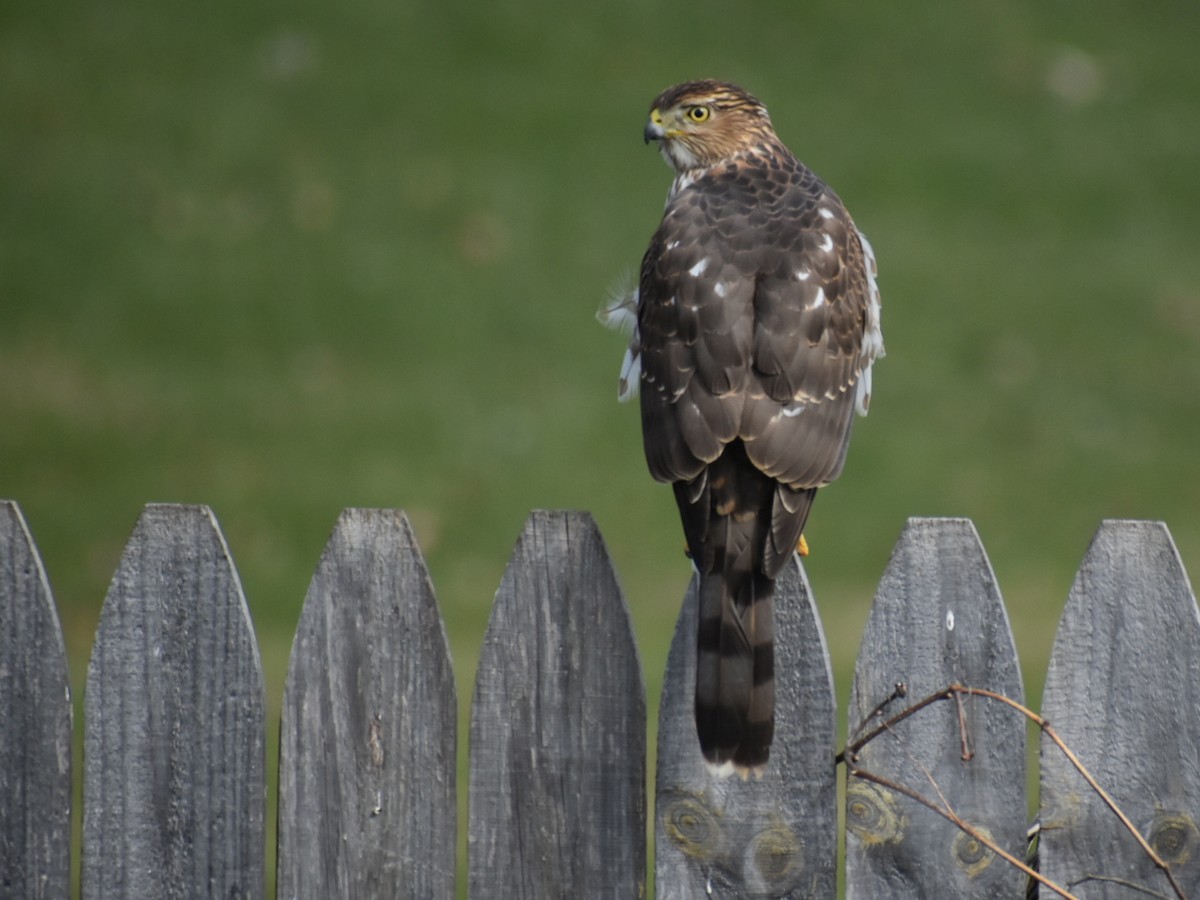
(794, 409)
(724, 770)
(872, 347)
(620, 313)
(631, 372)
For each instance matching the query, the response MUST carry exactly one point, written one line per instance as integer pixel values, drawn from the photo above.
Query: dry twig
(849, 756)
(962, 825)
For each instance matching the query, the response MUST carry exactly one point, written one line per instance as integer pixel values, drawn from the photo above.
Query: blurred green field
(284, 260)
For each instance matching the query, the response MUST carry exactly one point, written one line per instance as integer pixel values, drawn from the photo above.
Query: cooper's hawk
(755, 323)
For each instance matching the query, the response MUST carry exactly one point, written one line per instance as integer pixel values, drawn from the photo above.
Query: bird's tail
(735, 669)
(742, 526)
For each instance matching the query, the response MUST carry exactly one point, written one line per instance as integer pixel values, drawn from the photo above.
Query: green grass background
(284, 259)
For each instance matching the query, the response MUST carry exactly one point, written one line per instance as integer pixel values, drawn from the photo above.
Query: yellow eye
(698, 113)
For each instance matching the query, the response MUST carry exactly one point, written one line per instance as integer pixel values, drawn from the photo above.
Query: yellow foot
(802, 546)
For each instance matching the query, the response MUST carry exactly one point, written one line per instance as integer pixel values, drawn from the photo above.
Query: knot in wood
(1174, 836)
(775, 857)
(693, 827)
(872, 814)
(971, 854)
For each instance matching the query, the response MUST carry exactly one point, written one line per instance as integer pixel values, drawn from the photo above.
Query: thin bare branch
(850, 754)
(852, 748)
(962, 825)
(1082, 770)
(1109, 879)
(898, 692)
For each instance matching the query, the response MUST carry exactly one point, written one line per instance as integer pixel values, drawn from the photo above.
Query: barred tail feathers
(742, 526)
(735, 670)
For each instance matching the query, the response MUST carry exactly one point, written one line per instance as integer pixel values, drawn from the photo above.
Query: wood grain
(558, 726)
(35, 724)
(174, 789)
(366, 761)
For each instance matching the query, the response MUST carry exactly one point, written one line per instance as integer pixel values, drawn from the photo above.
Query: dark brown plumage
(757, 320)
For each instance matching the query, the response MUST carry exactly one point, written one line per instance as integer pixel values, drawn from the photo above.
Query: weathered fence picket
(558, 726)
(759, 837)
(174, 788)
(1123, 691)
(367, 740)
(937, 620)
(35, 724)
(173, 745)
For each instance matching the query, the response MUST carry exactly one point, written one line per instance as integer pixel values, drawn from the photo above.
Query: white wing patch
(789, 410)
(872, 345)
(698, 269)
(631, 372)
(793, 409)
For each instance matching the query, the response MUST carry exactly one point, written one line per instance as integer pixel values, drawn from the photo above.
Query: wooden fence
(174, 778)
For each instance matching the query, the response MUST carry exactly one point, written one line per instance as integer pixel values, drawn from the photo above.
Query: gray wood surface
(937, 619)
(35, 724)
(173, 731)
(367, 764)
(558, 726)
(1123, 691)
(760, 837)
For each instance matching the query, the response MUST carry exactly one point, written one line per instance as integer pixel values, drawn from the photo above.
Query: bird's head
(702, 123)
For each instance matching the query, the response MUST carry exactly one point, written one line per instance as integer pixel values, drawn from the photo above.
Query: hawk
(754, 326)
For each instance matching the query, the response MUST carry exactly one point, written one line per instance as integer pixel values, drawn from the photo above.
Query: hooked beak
(654, 130)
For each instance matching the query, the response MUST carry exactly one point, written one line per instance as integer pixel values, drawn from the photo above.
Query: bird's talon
(802, 546)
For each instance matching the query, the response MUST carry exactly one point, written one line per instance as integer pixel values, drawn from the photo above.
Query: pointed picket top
(174, 789)
(367, 746)
(937, 619)
(770, 836)
(558, 726)
(35, 723)
(1123, 692)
